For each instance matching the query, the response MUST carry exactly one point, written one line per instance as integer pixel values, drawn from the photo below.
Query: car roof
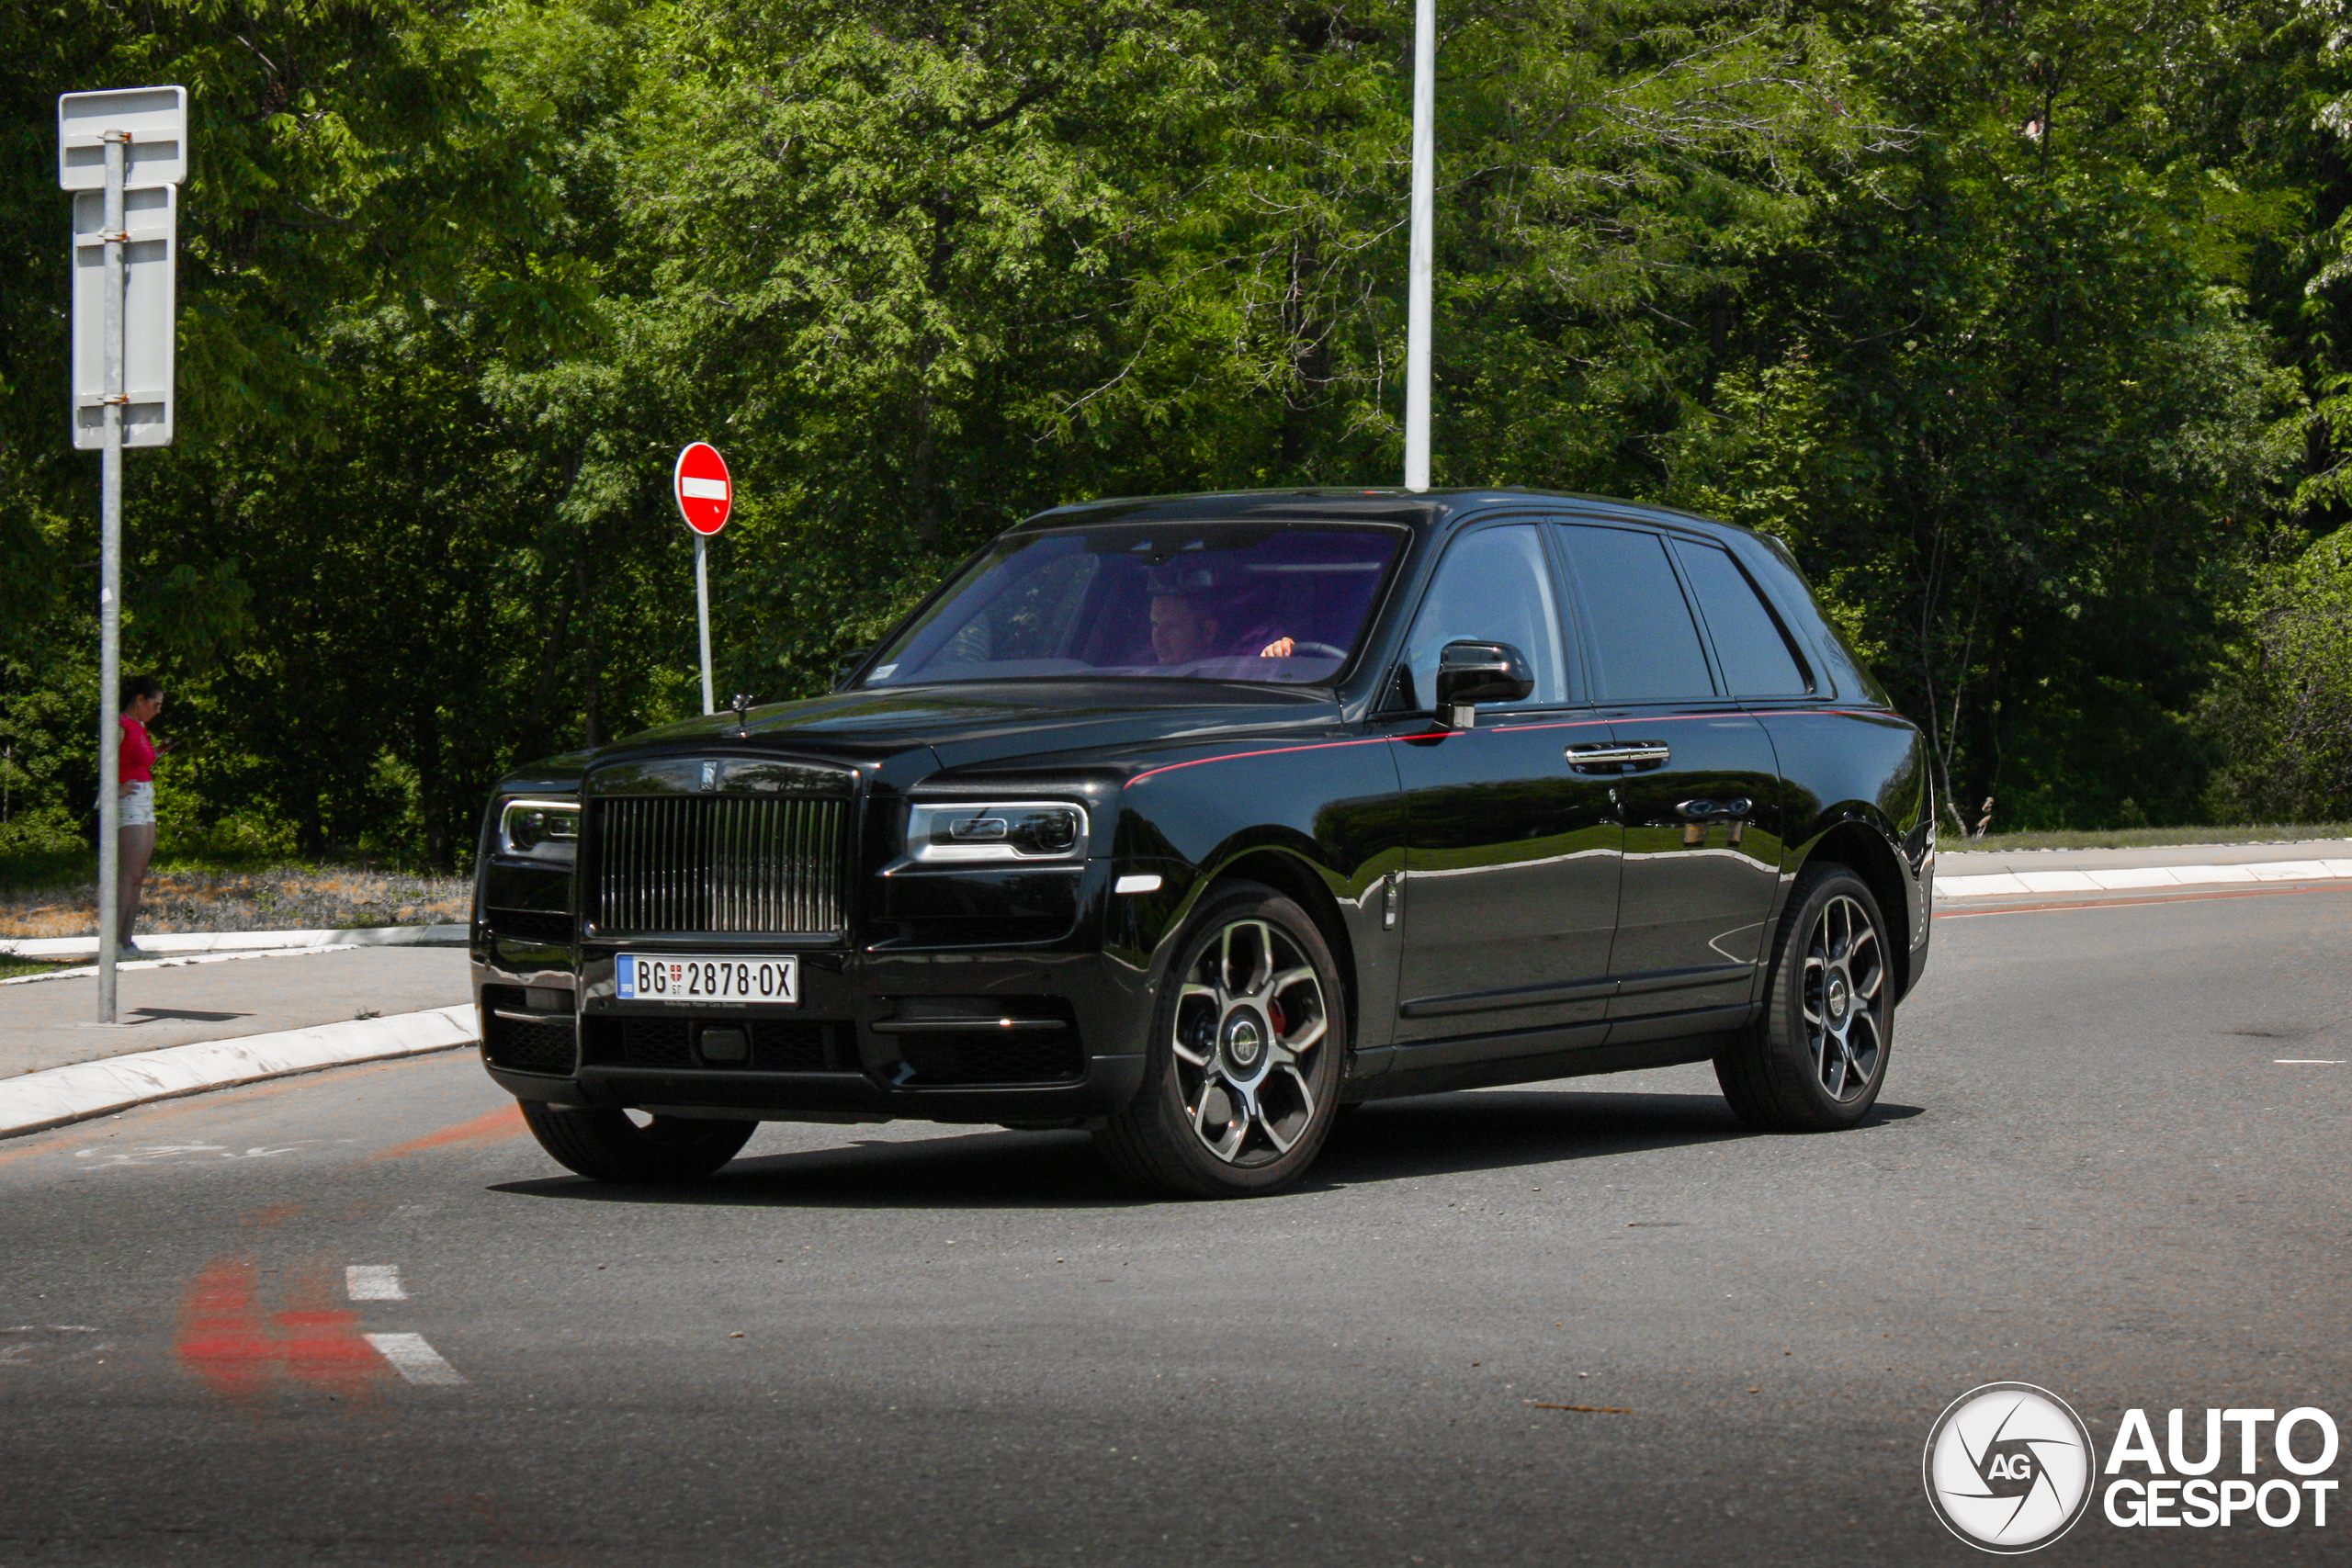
(1424, 510)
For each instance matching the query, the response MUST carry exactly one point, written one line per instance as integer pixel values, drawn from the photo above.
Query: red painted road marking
(504, 1122)
(226, 1342)
(220, 1339)
(321, 1342)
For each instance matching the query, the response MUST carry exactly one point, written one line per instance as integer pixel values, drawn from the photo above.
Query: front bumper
(1032, 1035)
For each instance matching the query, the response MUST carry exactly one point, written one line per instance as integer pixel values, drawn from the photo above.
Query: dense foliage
(2024, 323)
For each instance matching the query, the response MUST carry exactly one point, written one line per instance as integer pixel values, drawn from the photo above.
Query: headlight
(540, 829)
(1000, 831)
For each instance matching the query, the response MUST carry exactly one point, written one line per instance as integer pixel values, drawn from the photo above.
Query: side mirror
(1469, 673)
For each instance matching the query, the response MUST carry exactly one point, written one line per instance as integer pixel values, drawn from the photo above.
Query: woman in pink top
(143, 699)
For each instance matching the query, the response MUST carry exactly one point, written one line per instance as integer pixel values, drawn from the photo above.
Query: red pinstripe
(1498, 729)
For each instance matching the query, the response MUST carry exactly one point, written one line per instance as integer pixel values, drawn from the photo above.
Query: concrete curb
(245, 942)
(60, 1095)
(137, 965)
(2012, 883)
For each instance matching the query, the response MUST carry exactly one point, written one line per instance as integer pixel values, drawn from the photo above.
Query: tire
(603, 1145)
(1242, 1070)
(1815, 1060)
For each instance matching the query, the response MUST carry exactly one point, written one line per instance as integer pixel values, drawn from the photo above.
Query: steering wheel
(1316, 651)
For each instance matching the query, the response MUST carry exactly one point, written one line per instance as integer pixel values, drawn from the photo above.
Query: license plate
(683, 977)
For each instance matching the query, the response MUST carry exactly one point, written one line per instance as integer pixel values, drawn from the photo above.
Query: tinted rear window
(1644, 639)
(1748, 645)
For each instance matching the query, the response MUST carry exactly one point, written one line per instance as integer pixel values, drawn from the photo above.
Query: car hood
(969, 724)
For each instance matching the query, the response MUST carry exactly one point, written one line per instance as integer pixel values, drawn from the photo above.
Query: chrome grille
(761, 864)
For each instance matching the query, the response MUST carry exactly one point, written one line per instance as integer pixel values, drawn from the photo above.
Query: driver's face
(1180, 632)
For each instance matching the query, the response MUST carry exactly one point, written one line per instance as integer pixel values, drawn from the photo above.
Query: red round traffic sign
(706, 495)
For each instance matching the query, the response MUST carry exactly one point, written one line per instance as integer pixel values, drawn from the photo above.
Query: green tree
(2281, 713)
(2013, 420)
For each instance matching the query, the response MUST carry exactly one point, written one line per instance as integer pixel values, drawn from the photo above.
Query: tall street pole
(120, 150)
(702, 616)
(1424, 241)
(110, 589)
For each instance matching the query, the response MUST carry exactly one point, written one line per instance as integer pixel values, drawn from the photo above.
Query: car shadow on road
(1390, 1141)
(1442, 1134)
(960, 1169)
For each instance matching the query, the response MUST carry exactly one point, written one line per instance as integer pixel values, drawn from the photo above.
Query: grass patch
(280, 898)
(2145, 838)
(10, 968)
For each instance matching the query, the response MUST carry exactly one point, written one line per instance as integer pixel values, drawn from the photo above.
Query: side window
(1644, 639)
(1748, 643)
(1492, 586)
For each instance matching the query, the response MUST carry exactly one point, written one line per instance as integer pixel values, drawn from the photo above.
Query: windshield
(1210, 601)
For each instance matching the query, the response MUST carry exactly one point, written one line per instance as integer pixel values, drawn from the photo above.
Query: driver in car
(1188, 624)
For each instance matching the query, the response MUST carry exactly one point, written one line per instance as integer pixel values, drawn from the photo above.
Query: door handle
(1616, 757)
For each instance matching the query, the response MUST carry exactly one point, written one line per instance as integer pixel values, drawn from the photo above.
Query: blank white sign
(157, 118)
(151, 217)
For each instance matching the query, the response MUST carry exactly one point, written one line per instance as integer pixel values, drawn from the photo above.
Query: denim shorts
(138, 807)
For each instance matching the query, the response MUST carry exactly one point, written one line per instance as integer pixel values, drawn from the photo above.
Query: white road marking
(148, 1154)
(414, 1360)
(19, 1352)
(408, 1213)
(374, 1282)
(2307, 1061)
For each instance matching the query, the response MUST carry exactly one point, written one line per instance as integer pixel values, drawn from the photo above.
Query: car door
(1698, 794)
(1510, 893)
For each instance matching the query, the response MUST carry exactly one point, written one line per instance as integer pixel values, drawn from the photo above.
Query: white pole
(110, 589)
(1424, 244)
(702, 615)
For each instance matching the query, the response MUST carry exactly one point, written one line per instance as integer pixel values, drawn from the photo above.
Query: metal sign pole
(117, 144)
(1423, 248)
(702, 615)
(123, 153)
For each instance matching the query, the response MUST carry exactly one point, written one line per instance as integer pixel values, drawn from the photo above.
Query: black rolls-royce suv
(1192, 820)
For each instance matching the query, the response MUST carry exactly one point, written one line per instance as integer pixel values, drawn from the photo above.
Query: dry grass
(284, 898)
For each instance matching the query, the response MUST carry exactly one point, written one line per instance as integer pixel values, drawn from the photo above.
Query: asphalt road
(907, 1344)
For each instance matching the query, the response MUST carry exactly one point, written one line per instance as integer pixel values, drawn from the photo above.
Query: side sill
(1585, 1062)
(1577, 990)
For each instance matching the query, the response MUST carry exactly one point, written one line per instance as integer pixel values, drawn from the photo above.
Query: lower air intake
(547, 1044)
(990, 1056)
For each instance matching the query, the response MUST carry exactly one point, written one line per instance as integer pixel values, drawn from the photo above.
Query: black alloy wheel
(1242, 1077)
(606, 1144)
(1815, 1061)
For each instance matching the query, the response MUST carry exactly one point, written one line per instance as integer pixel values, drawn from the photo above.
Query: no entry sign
(705, 493)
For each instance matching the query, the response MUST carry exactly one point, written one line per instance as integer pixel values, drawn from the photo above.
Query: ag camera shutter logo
(2008, 1466)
